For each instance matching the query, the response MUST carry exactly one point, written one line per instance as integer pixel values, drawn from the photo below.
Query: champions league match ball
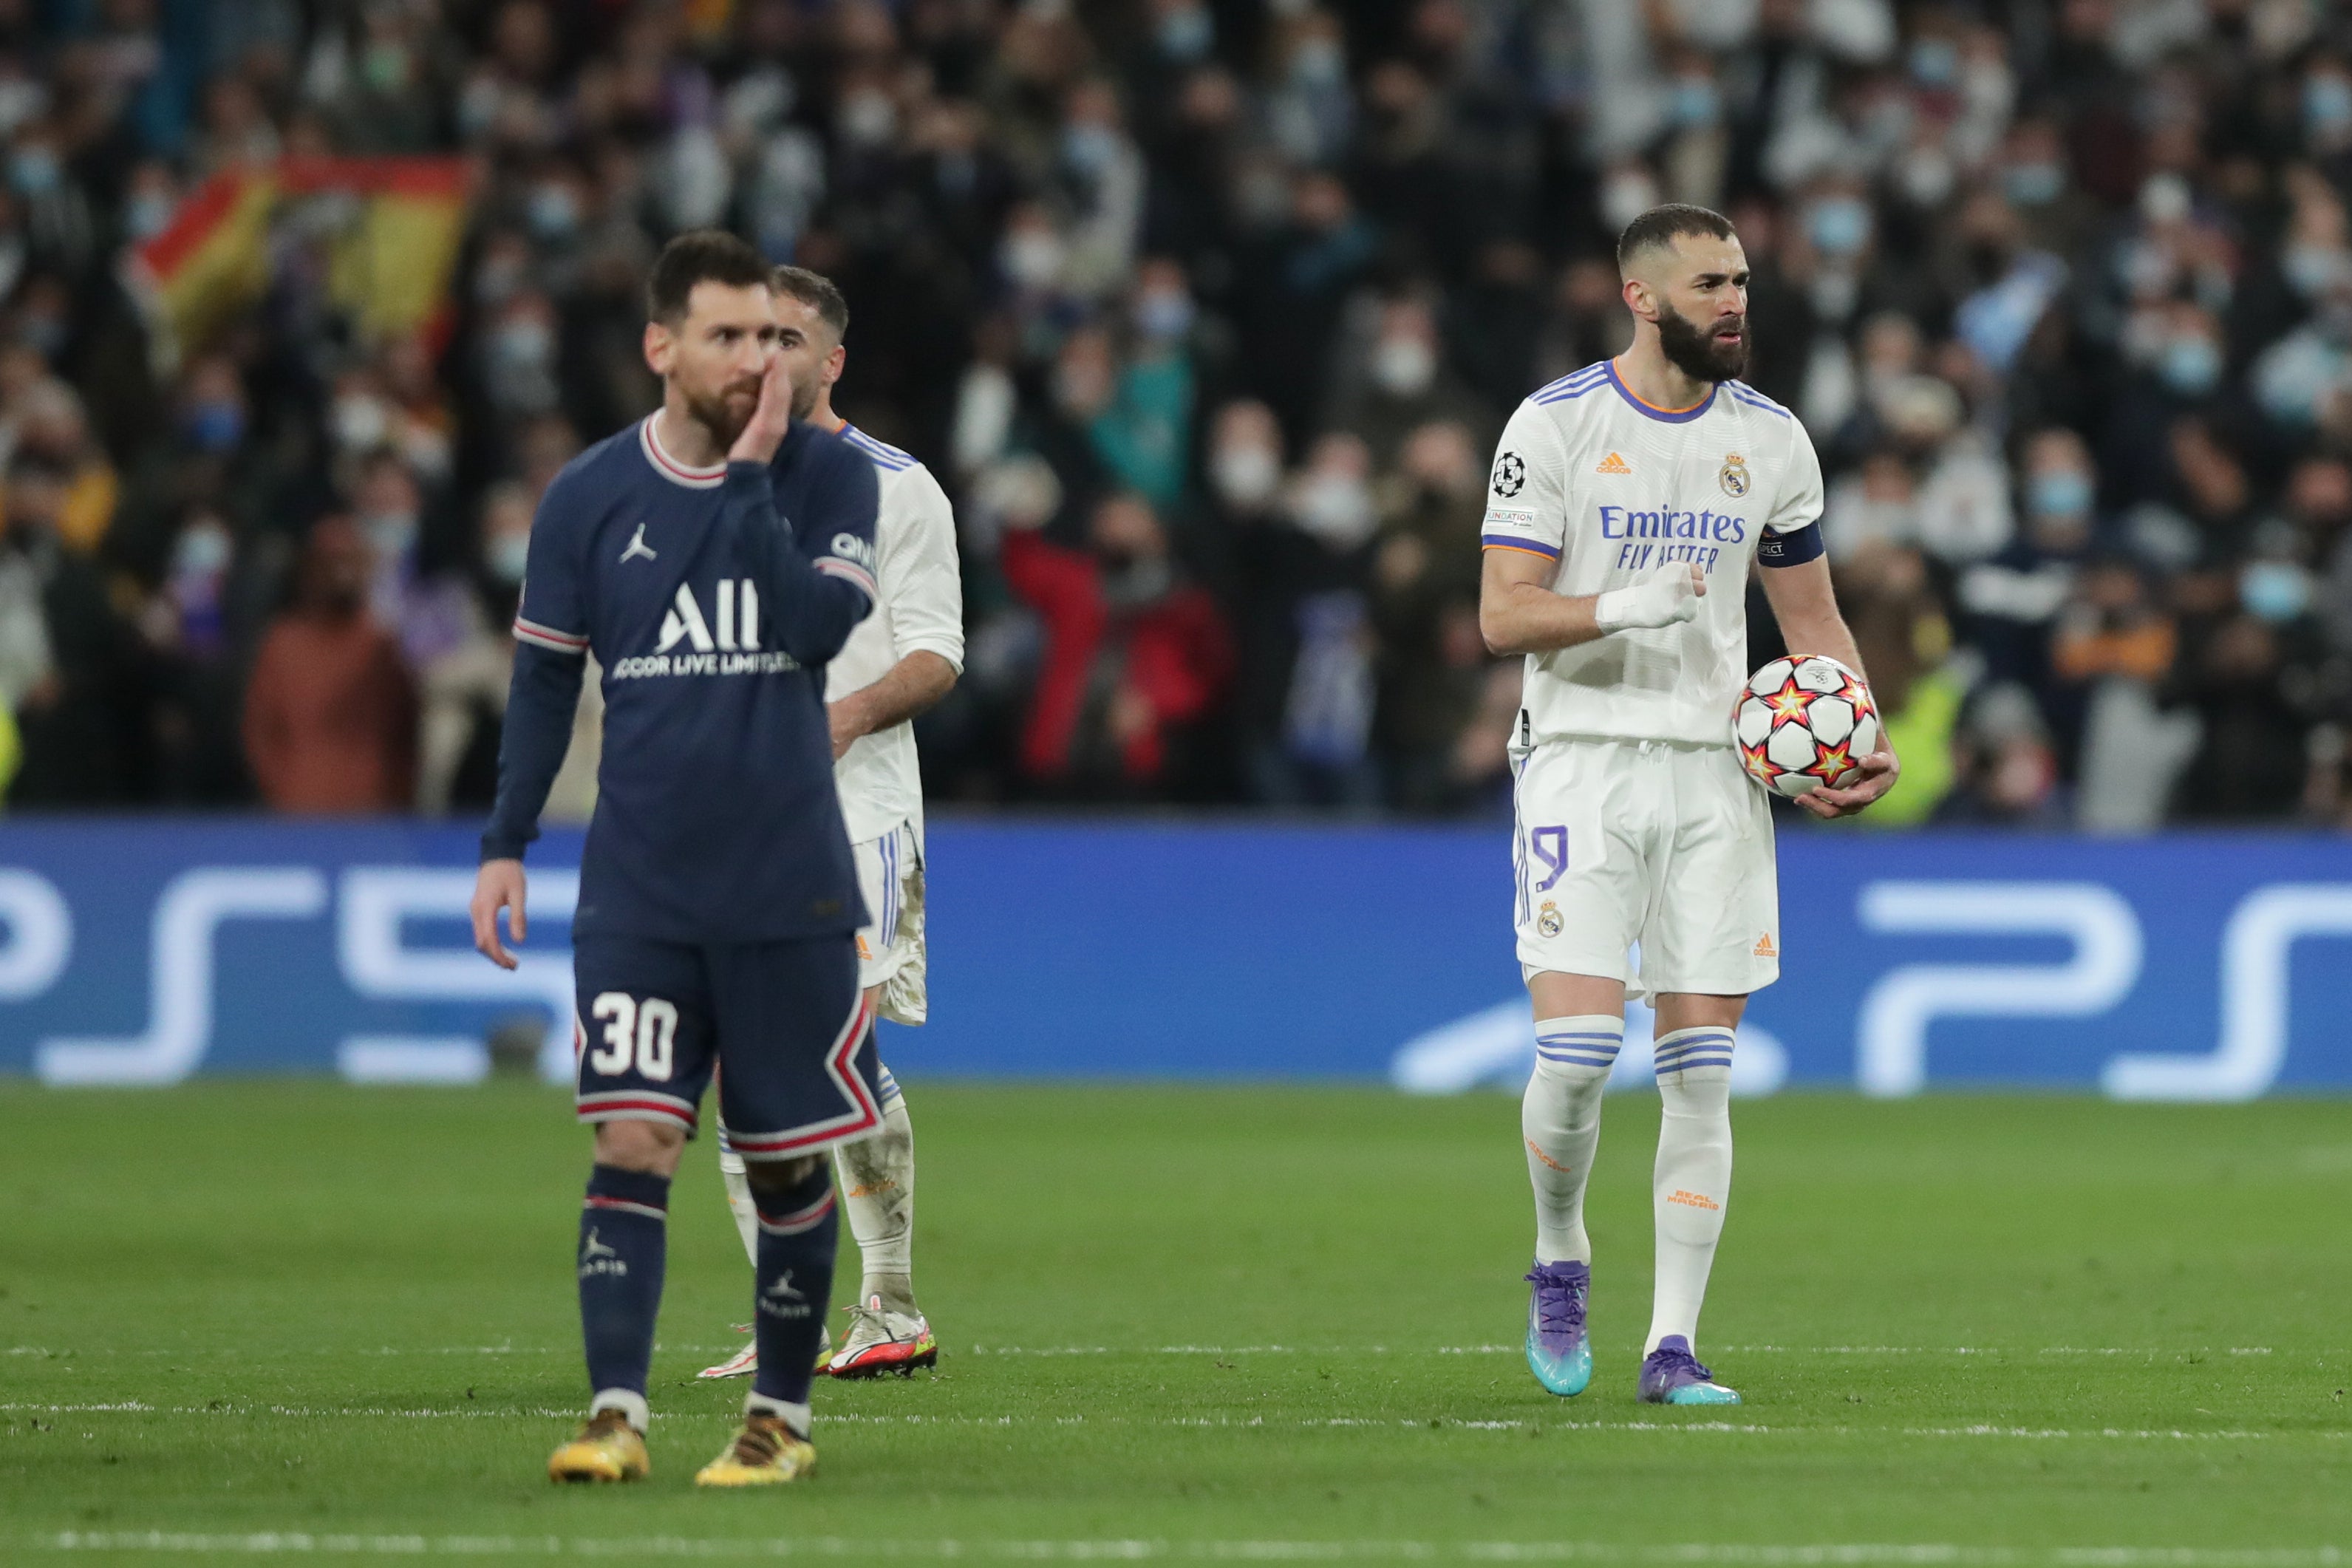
(1803, 723)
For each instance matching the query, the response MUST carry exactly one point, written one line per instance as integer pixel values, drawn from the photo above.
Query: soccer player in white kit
(897, 663)
(1626, 505)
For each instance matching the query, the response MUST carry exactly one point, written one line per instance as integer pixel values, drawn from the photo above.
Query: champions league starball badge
(1511, 474)
(1733, 477)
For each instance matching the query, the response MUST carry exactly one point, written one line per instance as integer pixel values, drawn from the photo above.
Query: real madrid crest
(1547, 919)
(1734, 476)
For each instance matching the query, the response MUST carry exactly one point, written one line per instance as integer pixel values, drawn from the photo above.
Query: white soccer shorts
(890, 946)
(1623, 842)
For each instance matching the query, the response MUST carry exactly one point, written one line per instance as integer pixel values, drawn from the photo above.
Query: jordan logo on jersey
(1613, 464)
(638, 549)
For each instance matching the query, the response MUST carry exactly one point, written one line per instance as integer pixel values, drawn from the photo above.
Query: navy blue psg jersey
(712, 598)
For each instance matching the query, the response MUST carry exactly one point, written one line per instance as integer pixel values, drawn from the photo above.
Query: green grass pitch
(267, 1321)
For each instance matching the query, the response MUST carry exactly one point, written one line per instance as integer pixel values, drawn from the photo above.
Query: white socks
(1559, 1118)
(877, 1190)
(1692, 1180)
(738, 1200)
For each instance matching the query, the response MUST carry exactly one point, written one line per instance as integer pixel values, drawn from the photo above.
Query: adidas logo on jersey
(1764, 947)
(1613, 464)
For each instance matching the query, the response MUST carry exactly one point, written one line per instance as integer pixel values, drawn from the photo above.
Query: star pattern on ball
(1831, 763)
(1789, 704)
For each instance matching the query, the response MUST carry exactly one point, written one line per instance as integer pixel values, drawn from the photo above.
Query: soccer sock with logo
(1692, 1181)
(1559, 1118)
(739, 1198)
(878, 1189)
(799, 1230)
(623, 1246)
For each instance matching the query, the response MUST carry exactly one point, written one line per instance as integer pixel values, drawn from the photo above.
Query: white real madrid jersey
(920, 607)
(1610, 490)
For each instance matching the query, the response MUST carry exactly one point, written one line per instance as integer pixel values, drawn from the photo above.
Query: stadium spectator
(1135, 657)
(330, 712)
(2067, 306)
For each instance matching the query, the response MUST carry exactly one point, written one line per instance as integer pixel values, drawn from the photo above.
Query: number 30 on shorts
(644, 1031)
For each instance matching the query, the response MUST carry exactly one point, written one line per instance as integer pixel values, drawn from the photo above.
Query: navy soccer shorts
(785, 1020)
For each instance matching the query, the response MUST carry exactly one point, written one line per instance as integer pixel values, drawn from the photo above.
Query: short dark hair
(698, 256)
(818, 292)
(1664, 225)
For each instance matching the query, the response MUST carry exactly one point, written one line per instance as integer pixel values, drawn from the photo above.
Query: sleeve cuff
(947, 648)
(500, 846)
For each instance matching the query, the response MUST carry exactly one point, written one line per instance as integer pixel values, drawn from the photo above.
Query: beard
(1696, 351)
(717, 414)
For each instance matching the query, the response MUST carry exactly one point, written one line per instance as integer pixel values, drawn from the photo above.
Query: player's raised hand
(498, 885)
(764, 431)
(1879, 772)
(1667, 597)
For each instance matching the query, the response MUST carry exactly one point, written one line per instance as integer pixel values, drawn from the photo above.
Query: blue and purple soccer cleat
(1672, 1376)
(1557, 1352)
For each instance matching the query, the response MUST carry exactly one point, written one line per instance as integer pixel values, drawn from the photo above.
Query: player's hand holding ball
(765, 430)
(1667, 597)
(1808, 730)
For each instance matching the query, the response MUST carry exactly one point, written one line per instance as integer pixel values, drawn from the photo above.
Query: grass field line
(864, 1418)
(1811, 1555)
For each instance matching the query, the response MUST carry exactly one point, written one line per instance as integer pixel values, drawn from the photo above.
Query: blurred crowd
(1207, 314)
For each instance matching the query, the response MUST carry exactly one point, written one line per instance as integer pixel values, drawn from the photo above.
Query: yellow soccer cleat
(765, 1453)
(606, 1449)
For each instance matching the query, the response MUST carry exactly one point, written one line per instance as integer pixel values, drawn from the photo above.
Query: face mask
(1032, 258)
(1403, 367)
(506, 556)
(2327, 104)
(34, 170)
(215, 426)
(361, 423)
(1244, 476)
(2275, 590)
(392, 533)
(1935, 62)
(2190, 366)
(2033, 185)
(1089, 149)
(1164, 313)
(522, 344)
(2311, 268)
(202, 552)
(384, 67)
(1926, 177)
(1335, 510)
(1317, 62)
(1626, 197)
(1838, 225)
(869, 118)
(550, 212)
(1187, 35)
(145, 216)
(2059, 493)
(1694, 103)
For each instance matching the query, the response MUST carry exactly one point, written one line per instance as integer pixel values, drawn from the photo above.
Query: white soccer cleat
(746, 1362)
(882, 1341)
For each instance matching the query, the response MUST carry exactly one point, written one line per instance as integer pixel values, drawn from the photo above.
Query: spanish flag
(393, 224)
